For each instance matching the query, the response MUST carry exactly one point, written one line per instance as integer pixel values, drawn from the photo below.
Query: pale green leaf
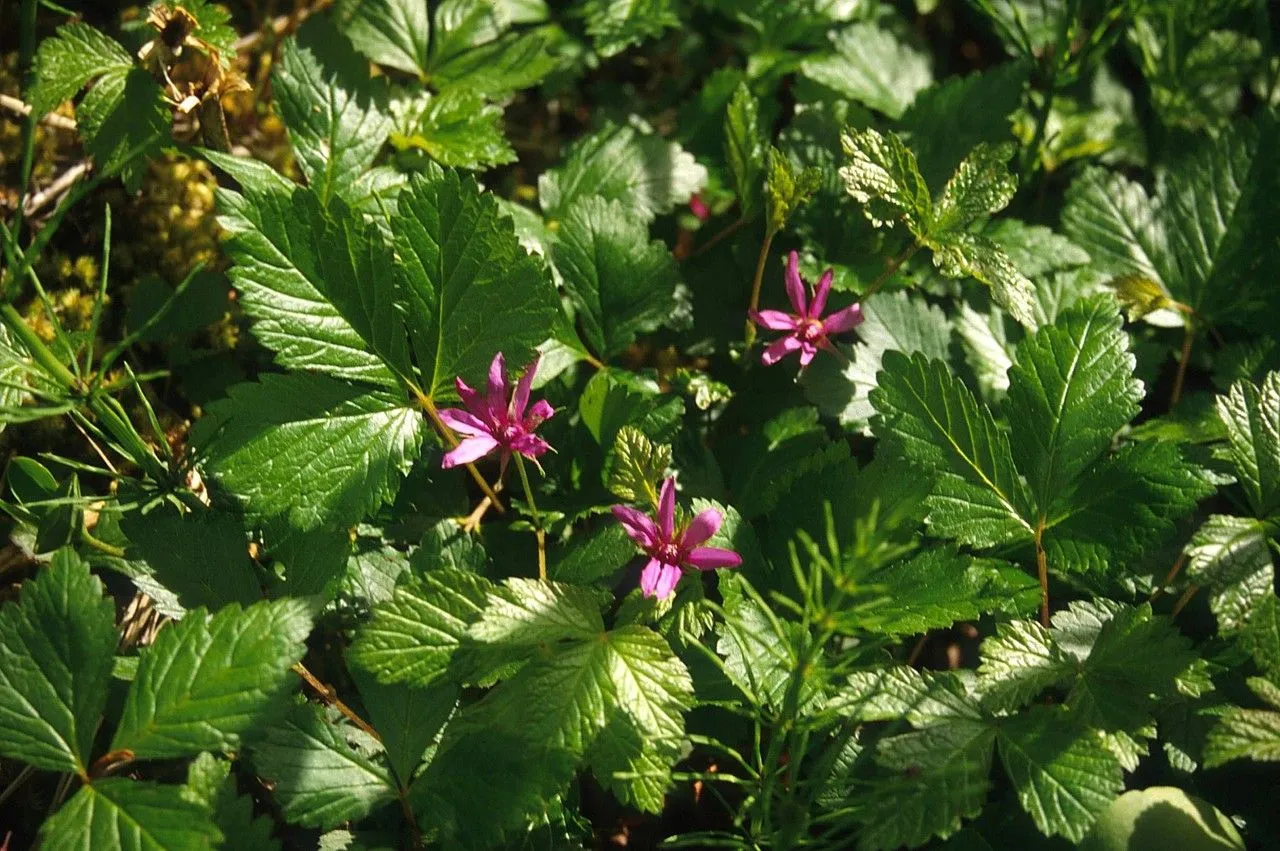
(309, 449)
(1252, 734)
(786, 189)
(395, 33)
(459, 262)
(1019, 662)
(982, 184)
(525, 612)
(621, 283)
(922, 698)
(963, 254)
(882, 176)
(638, 466)
(871, 65)
(455, 128)
(67, 61)
(57, 643)
(206, 681)
(1231, 557)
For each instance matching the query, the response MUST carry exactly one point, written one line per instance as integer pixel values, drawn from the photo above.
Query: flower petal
(779, 349)
(774, 320)
(464, 423)
(538, 414)
(638, 525)
(843, 320)
(702, 527)
(795, 286)
(667, 509)
(649, 577)
(520, 400)
(709, 558)
(471, 449)
(667, 580)
(473, 401)
(530, 446)
(807, 352)
(497, 398)
(819, 302)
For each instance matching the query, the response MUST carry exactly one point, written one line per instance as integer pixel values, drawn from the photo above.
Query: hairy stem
(538, 531)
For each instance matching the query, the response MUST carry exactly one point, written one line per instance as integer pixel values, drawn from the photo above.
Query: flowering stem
(424, 401)
(538, 531)
(755, 284)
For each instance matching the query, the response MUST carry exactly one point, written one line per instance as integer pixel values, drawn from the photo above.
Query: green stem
(755, 283)
(26, 54)
(892, 267)
(538, 531)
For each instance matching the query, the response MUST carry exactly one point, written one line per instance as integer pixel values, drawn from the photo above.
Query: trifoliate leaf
(938, 587)
(459, 260)
(638, 466)
(203, 557)
(1251, 414)
(1247, 733)
(309, 449)
(455, 128)
(1071, 389)
(208, 680)
(615, 25)
(118, 814)
(394, 33)
(56, 649)
(66, 62)
(882, 176)
(275, 271)
(621, 284)
(336, 114)
(744, 149)
(528, 612)
(925, 413)
(645, 173)
(1064, 775)
(870, 65)
(1021, 660)
(893, 322)
(413, 636)
(319, 779)
(1231, 556)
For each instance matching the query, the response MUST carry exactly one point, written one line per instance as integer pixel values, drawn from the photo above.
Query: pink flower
(807, 330)
(491, 422)
(699, 208)
(668, 548)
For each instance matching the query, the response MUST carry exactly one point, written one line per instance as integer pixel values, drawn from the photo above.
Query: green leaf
(203, 557)
(620, 283)
(760, 651)
(457, 128)
(925, 413)
(1112, 218)
(394, 33)
(1251, 414)
(896, 692)
(963, 254)
(638, 466)
(615, 398)
(497, 68)
(982, 184)
(1247, 733)
(459, 259)
(407, 718)
(308, 448)
(645, 173)
(615, 25)
(945, 122)
(123, 117)
(744, 149)
(893, 322)
(1162, 817)
(1064, 775)
(882, 176)
(1019, 662)
(57, 644)
(1231, 557)
(938, 587)
(1071, 389)
(275, 270)
(208, 680)
(786, 189)
(529, 612)
(335, 113)
(319, 779)
(413, 636)
(209, 782)
(594, 556)
(872, 66)
(116, 814)
(69, 60)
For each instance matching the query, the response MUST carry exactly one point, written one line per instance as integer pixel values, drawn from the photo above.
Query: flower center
(510, 432)
(667, 553)
(810, 330)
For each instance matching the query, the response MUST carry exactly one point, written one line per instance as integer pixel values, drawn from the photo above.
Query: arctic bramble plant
(807, 330)
(994, 567)
(670, 548)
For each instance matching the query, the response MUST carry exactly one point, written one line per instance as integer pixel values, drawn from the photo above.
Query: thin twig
(60, 186)
(53, 119)
(917, 650)
(1188, 337)
(280, 25)
(715, 240)
(329, 696)
(1168, 579)
(1042, 571)
(892, 267)
(1183, 600)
